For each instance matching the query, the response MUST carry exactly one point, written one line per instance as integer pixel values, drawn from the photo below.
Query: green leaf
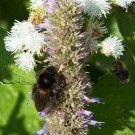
(9, 72)
(126, 23)
(16, 116)
(126, 131)
(112, 25)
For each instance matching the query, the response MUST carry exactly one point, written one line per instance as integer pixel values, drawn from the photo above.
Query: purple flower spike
(44, 112)
(95, 123)
(96, 100)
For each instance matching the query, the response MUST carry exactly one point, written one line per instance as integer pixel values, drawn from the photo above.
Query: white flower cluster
(95, 7)
(22, 38)
(101, 7)
(95, 31)
(123, 3)
(112, 46)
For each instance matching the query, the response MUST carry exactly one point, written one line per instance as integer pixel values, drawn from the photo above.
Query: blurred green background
(19, 118)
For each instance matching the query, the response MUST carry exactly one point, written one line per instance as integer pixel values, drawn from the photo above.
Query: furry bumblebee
(48, 84)
(121, 71)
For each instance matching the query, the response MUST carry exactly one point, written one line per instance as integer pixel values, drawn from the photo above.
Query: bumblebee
(121, 72)
(49, 85)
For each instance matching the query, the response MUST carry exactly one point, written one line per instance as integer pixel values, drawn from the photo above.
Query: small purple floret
(44, 112)
(62, 120)
(42, 26)
(87, 85)
(88, 113)
(50, 51)
(92, 100)
(39, 132)
(96, 100)
(95, 123)
(84, 112)
(49, 5)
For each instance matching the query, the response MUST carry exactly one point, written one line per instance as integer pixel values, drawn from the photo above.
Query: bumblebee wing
(39, 98)
(40, 101)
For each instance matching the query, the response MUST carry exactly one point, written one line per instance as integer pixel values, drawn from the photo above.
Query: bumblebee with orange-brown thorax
(48, 83)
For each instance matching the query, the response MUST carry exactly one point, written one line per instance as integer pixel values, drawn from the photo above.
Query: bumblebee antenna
(28, 101)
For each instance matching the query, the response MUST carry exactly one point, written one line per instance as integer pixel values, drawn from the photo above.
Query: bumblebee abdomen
(123, 76)
(40, 97)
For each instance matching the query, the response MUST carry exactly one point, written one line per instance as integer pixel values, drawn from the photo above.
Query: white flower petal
(25, 61)
(13, 44)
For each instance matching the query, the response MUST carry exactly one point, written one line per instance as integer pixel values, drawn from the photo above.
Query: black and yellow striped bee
(121, 71)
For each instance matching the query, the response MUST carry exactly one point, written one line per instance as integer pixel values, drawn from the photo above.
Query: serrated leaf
(9, 72)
